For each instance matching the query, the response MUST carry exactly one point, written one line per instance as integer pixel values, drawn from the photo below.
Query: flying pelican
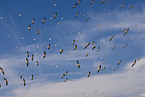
(89, 74)
(98, 49)
(93, 47)
(55, 15)
(37, 63)
(49, 47)
(75, 47)
(64, 74)
(24, 82)
(20, 76)
(27, 61)
(111, 37)
(99, 69)
(44, 55)
(78, 64)
(2, 70)
(65, 79)
(27, 54)
(32, 57)
(102, 2)
(88, 18)
(61, 51)
(77, 14)
(126, 32)
(6, 81)
(32, 77)
(86, 54)
(87, 45)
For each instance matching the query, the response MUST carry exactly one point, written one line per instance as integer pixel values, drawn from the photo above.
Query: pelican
(78, 64)
(27, 61)
(99, 69)
(44, 55)
(2, 70)
(6, 81)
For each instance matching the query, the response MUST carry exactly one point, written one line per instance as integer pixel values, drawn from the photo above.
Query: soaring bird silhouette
(32, 77)
(65, 79)
(55, 15)
(29, 27)
(87, 55)
(32, 57)
(27, 61)
(98, 49)
(20, 76)
(92, 2)
(93, 47)
(77, 14)
(44, 55)
(102, 2)
(88, 18)
(99, 69)
(2, 70)
(131, 6)
(75, 47)
(87, 45)
(88, 75)
(126, 32)
(37, 63)
(64, 74)
(44, 20)
(24, 82)
(27, 54)
(123, 5)
(33, 21)
(111, 37)
(49, 47)
(60, 51)
(6, 81)
(78, 64)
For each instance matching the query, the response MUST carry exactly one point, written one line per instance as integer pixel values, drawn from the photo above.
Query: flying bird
(74, 5)
(119, 62)
(99, 69)
(20, 76)
(98, 49)
(32, 57)
(61, 51)
(32, 77)
(77, 14)
(93, 47)
(102, 2)
(37, 63)
(27, 54)
(27, 61)
(78, 64)
(6, 81)
(88, 18)
(64, 74)
(92, 2)
(93, 42)
(139, 58)
(44, 20)
(74, 41)
(123, 5)
(111, 37)
(126, 32)
(2, 70)
(44, 55)
(24, 82)
(88, 75)
(49, 47)
(65, 79)
(29, 27)
(126, 45)
(38, 32)
(133, 63)
(55, 15)
(103, 68)
(33, 21)
(86, 54)
(87, 45)
(131, 6)
(114, 47)
(116, 68)
(78, 2)
(75, 47)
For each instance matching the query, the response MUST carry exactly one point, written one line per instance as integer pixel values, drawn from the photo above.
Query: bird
(44, 55)
(78, 2)
(131, 6)
(55, 15)
(116, 68)
(38, 32)
(32, 57)
(86, 54)
(111, 37)
(92, 2)
(0, 85)
(123, 5)
(65, 79)
(49, 47)
(74, 41)
(88, 18)
(44, 20)
(114, 47)
(99, 69)
(93, 47)
(24, 82)
(93, 42)
(29, 27)
(74, 5)
(133, 63)
(77, 14)
(37, 63)
(103, 68)
(98, 49)
(2, 70)
(60, 51)
(126, 32)
(33, 21)
(32, 77)
(89, 74)
(27, 54)
(6, 81)
(78, 64)
(102, 2)
(119, 62)
(64, 74)
(20, 76)
(87, 45)
(139, 58)
(75, 47)
(126, 45)
(27, 61)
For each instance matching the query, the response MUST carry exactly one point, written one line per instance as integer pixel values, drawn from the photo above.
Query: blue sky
(106, 20)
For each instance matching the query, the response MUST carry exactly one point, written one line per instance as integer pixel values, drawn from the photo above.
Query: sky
(107, 21)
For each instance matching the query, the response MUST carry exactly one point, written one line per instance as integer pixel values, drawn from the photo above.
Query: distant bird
(74, 5)
(64, 74)
(78, 2)
(37, 63)
(116, 68)
(55, 15)
(44, 55)
(6, 81)
(20, 76)
(131, 6)
(27, 54)
(93, 42)
(27, 61)
(111, 37)
(89, 74)
(139, 58)
(49, 47)
(78, 64)
(123, 5)
(93, 47)
(32, 57)
(77, 14)
(24, 82)
(92, 2)
(99, 69)
(0, 85)
(74, 41)
(87, 45)
(33, 21)
(75, 47)
(38, 32)
(114, 47)
(133, 63)
(44, 20)
(61, 51)
(126, 45)
(126, 32)
(29, 27)
(32, 77)
(65, 79)
(103, 68)
(2, 70)
(119, 62)
(86, 54)
(102, 2)
(98, 49)
(88, 18)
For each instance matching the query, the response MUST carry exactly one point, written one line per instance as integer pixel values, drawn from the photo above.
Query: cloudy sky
(105, 20)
